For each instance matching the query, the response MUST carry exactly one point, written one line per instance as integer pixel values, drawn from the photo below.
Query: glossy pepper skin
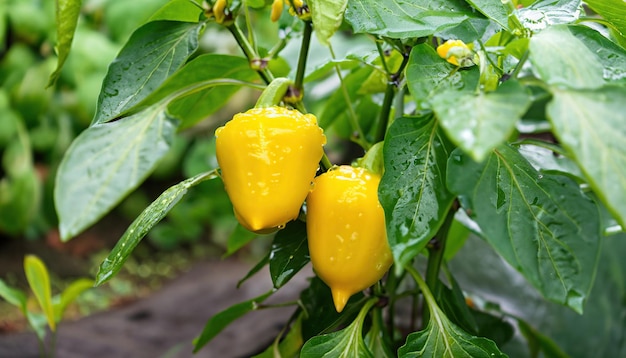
(346, 231)
(268, 158)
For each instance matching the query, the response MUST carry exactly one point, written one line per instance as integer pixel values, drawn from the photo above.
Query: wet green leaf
(289, 253)
(153, 53)
(413, 191)
(544, 13)
(562, 60)
(590, 124)
(610, 55)
(238, 239)
(67, 13)
(614, 11)
(401, 19)
(39, 282)
(105, 163)
(495, 10)
(143, 223)
(327, 16)
(541, 223)
(221, 320)
(479, 122)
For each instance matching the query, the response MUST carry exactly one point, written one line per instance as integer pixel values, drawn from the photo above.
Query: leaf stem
(247, 49)
(302, 59)
(520, 64)
(392, 84)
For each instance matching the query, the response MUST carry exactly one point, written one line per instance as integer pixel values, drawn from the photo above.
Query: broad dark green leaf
(452, 303)
(178, 10)
(413, 189)
(541, 223)
(614, 11)
(327, 16)
(591, 125)
(493, 327)
(202, 87)
(221, 320)
(495, 10)
(427, 74)
(143, 223)
(151, 55)
(479, 122)
(13, 295)
(67, 12)
(610, 55)
(289, 253)
(401, 19)
(39, 282)
(347, 342)
(539, 342)
(545, 160)
(562, 60)
(544, 13)
(105, 163)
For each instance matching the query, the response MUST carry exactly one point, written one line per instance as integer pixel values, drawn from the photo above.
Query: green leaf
(12, 295)
(221, 320)
(541, 223)
(562, 60)
(151, 55)
(143, 223)
(544, 13)
(201, 87)
(289, 253)
(105, 163)
(610, 55)
(67, 13)
(375, 339)
(614, 11)
(442, 338)
(345, 343)
(238, 239)
(479, 122)
(289, 346)
(495, 10)
(545, 160)
(68, 295)
(39, 282)
(37, 322)
(539, 342)
(590, 125)
(402, 19)
(259, 265)
(327, 16)
(178, 10)
(428, 74)
(412, 191)
(337, 105)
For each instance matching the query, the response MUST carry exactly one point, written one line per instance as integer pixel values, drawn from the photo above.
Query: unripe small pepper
(268, 158)
(346, 231)
(457, 53)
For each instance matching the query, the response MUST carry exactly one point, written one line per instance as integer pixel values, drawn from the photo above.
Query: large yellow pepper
(268, 158)
(346, 231)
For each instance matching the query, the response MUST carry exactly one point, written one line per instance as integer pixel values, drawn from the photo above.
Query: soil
(165, 323)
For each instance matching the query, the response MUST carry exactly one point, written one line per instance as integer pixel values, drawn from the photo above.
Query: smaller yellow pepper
(457, 53)
(277, 9)
(346, 231)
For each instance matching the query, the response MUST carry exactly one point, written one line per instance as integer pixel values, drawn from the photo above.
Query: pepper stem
(274, 92)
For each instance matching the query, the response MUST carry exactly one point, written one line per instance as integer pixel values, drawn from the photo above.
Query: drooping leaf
(413, 191)
(403, 19)
(143, 223)
(105, 163)
(562, 60)
(68, 295)
(347, 342)
(610, 55)
(541, 223)
(614, 11)
(39, 282)
(178, 10)
(591, 125)
(67, 12)
(221, 320)
(289, 253)
(479, 122)
(376, 341)
(259, 265)
(428, 74)
(539, 342)
(151, 55)
(442, 338)
(238, 239)
(289, 346)
(327, 16)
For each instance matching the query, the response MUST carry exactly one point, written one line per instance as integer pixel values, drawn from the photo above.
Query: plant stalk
(304, 53)
(249, 51)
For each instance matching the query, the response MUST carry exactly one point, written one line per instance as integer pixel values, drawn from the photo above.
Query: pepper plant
(501, 120)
